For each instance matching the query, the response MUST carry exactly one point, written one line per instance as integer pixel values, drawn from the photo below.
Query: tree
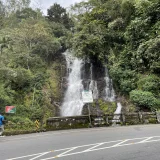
(2, 14)
(58, 14)
(11, 6)
(26, 13)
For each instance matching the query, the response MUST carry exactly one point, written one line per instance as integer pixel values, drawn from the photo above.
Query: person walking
(1, 124)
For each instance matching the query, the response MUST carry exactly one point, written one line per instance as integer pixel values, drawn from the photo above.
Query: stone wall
(57, 123)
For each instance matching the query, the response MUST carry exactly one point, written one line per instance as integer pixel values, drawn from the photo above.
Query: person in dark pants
(1, 124)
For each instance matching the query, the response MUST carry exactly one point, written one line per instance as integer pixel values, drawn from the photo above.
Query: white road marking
(146, 139)
(39, 156)
(93, 147)
(50, 158)
(116, 145)
(86, 145)
(104, 148)
(25, 156)
(66, 152)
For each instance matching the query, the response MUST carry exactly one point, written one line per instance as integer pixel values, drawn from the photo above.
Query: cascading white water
(116, 118)
(93, 84)
(94, 89)
(109, 91)
(119, 108)
(73, 104)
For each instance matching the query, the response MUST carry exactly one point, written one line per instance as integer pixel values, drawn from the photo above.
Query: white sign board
(87, 97)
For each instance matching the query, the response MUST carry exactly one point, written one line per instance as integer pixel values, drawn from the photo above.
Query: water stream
(93, 84)
(72, 104)
(116, 118)
(110, 94)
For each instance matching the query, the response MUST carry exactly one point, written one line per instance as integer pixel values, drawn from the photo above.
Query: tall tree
(11, 6)
(58, 14)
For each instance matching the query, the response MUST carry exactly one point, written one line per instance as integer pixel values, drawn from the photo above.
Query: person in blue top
(1, 124)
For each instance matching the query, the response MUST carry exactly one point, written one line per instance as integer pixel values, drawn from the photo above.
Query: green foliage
(90, 40)
(6, 97)
(107, 107)
(19, 123)
(148, 53)
(58, 14)
(144, 98)
(149, 83)
(26, 13)
(125, 80)
(16, 119)
(29, 45)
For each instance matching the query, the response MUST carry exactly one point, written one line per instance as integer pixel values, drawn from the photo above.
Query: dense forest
(30, 47)
(125, 33)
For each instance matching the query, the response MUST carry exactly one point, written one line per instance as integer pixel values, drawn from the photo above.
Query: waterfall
(94, 89)
(109, 91)
(72, 104)
(93, 84)
(116, 118)
(119, 108)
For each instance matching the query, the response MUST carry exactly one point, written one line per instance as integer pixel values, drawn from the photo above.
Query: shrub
(17, 122)
(144, 99)
(107, 107)
(149, 83)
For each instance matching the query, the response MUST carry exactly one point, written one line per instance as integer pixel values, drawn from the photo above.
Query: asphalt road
(114, 143)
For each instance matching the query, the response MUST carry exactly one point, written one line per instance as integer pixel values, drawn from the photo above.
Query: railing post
(89, 114)
(106, 118)
(158, 116)
(123, 118)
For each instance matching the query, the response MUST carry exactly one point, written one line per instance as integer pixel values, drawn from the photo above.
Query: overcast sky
(45, 4)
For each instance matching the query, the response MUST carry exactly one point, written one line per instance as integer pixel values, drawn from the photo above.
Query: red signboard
(10, 109)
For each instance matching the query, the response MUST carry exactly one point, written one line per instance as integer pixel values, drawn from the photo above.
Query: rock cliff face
(93, 72)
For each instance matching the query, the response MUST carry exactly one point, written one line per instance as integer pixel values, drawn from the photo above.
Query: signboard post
(87, 97)
(10, 109)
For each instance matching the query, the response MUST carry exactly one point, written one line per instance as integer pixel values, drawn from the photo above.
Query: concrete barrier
(57, 123)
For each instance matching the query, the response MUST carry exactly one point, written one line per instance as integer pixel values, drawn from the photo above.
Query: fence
(56, 123)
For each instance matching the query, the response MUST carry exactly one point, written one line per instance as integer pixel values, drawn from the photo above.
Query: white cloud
(45, 4)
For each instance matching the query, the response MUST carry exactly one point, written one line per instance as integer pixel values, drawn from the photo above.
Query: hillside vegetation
(30, 64)
(127, 34)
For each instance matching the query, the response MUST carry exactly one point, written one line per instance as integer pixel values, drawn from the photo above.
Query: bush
(144, 99)
(149, 83)
(124, 80)
(107, 107)
(19, 123)
(127, 85)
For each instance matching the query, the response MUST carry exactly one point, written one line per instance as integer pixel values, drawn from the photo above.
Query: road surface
(114, 143)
